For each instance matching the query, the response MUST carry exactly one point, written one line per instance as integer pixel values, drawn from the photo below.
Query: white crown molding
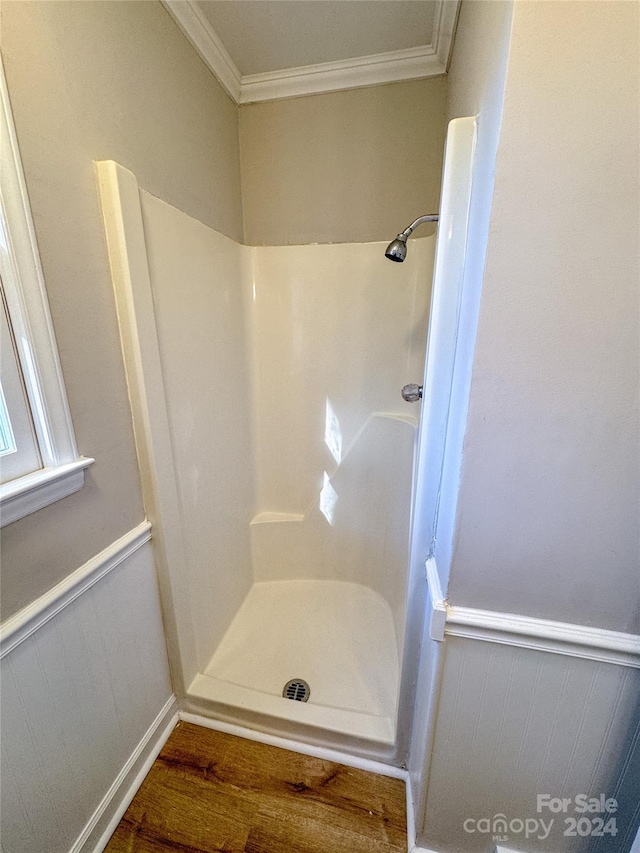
(25, 622)
(444, 30)
(392, 67)
(207, 43)
(325, 753)
(410, 64)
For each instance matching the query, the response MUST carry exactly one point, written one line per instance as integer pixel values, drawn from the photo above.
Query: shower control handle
(412, 393)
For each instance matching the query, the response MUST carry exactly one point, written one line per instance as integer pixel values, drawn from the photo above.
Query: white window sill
(32, 492)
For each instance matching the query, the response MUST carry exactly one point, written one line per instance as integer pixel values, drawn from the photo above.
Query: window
(39, 462)
(19, 453)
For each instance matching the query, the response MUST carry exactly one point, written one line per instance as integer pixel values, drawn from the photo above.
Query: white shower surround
(280, 370)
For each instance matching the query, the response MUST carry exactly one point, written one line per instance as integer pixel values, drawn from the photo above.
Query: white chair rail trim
(25, 622)
(563, 638)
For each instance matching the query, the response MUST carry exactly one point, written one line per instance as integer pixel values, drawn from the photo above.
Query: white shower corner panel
(277, 372)
(196, 278)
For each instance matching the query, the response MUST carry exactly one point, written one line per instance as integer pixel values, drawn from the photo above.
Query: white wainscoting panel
(515, 722)
(80, 694)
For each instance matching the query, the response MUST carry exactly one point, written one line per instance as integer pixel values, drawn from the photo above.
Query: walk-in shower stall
(278, 460)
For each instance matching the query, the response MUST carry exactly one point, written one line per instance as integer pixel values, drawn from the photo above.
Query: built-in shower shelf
(275, 517)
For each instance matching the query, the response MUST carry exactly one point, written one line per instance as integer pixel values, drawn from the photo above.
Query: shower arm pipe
(429, 217)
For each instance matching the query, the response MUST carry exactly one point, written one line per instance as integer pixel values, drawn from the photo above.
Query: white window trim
(25, 292)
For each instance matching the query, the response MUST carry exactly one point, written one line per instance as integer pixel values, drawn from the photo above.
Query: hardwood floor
(210, 792)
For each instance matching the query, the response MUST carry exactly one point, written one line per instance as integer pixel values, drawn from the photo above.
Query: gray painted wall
(548, 513)
(91, 81)
(539, 506)
(354, 166)
(118, 80)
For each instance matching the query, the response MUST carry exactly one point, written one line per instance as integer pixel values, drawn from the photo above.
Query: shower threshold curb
(318, 723)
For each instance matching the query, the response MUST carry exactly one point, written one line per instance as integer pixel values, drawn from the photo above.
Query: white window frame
(63, 469)
(23, 457)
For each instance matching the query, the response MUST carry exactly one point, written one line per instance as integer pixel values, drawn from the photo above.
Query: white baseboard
(416, 849)
(102, 824)
(107, 816)
(296, 746)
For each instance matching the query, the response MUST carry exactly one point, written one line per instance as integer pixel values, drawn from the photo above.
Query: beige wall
(478, 66)
(118, 80)
(476, 88)
(548, 509)
(352, 166)
(542, 519)
(90, 81)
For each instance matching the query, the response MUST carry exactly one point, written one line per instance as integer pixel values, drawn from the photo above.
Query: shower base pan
(338, 637)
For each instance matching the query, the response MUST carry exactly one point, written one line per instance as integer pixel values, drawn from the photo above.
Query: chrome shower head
(397, 249)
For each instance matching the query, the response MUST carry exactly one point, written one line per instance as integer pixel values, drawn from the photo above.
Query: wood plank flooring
(210, 792)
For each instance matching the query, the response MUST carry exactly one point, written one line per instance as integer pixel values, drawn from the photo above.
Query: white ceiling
(270, 49)
(269, 35)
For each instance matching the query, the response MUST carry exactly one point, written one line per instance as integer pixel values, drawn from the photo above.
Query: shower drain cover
(297, 689)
